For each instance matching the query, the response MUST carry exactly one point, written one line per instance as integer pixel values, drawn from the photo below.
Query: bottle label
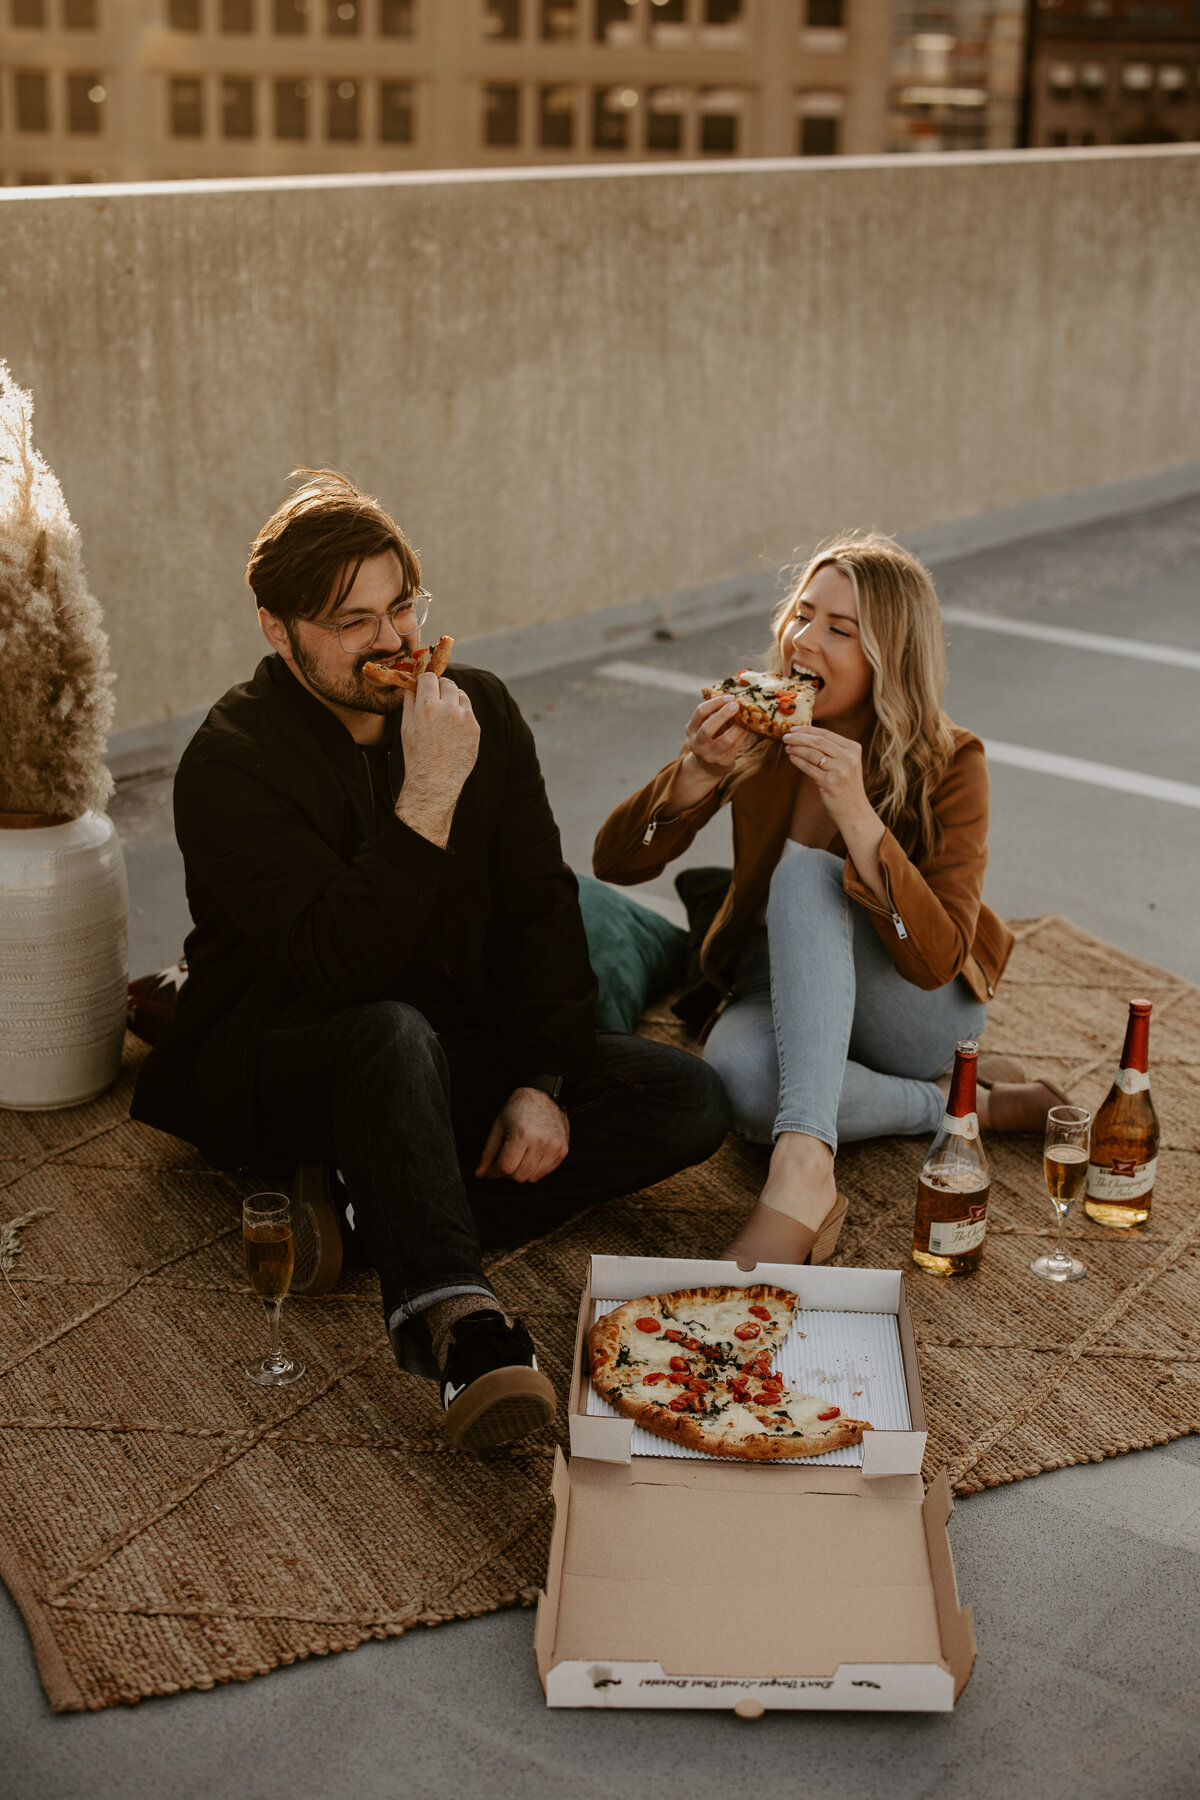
(950, 1237)
(1133, 1081)
(966, 1127)
(1120, 1181)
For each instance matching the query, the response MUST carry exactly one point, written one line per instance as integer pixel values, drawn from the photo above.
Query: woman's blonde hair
(900, 629)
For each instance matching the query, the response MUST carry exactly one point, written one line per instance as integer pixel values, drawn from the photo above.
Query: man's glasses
(359, 634)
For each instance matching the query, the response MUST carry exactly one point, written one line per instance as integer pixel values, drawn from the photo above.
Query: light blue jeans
(824, 1035)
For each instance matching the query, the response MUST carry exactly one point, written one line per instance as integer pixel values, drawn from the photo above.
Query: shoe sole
(315, 1222)
(499, 1408)
(830, 1232)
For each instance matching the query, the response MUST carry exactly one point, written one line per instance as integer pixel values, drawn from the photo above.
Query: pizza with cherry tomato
(769, 705)
(695, 1366)
(403, 670)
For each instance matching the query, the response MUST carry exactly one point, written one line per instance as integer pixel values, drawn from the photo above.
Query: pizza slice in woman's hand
(403, 670)
(769, 705)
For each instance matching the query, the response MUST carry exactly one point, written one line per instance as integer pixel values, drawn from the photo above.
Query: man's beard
(356, 691)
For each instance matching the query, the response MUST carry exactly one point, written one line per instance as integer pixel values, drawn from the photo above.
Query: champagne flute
(1065, 1164)
(270, 1253)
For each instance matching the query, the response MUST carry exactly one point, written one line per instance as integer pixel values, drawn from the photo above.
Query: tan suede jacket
(936, 927)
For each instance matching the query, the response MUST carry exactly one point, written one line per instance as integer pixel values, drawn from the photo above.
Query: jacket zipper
(889, 910)
(651, 828)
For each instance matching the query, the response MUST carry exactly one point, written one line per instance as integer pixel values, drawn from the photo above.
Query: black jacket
(295, 888)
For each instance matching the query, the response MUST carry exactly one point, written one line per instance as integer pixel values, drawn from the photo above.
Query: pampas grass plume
(56, 697)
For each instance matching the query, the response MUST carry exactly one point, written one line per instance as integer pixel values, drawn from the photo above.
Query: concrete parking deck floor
(1084, 1583)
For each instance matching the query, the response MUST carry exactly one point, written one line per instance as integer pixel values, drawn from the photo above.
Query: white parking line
(1014, 756)
(1071, 768)
(1130, 648)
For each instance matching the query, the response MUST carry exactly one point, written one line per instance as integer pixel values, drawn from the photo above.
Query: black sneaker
(315, 1233)
(492, 1388)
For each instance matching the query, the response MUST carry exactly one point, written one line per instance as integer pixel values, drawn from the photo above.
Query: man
(388, 980)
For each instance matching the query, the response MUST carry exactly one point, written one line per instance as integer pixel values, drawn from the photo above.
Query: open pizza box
(687, 1580)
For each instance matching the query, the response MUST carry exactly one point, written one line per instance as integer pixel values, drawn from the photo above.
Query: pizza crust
(403, 670)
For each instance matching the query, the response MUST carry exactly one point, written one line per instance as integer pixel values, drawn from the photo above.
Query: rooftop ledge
(743, 166)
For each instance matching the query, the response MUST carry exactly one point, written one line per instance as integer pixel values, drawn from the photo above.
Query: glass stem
(275, 1354)
(1058, 1247)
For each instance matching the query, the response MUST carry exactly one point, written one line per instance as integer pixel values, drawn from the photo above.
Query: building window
(237, 16)
(722, 12)
(501, 116)
(237, 107)
(825, 15)
(1087, 139)
(291, 109)
(341, 18)
(556, 118)
(341, 112)
(1059, 140)
(720, 122)
(290, 18)
(396, 19)
(1172, 81)
(665, 111)
(668, 23)
(559, 20)
(615, 24)
(85, 104)
(184, 15)
(33, 101)
(1093, 81)
(186, 105)
(1137, 78)
(80, 15)
(396, 112)
(818, 135)
(1060, 80)
(611, 109)
(502, 19)
(27, 14)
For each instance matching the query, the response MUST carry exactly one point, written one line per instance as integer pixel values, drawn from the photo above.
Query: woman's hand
(834, 765)
(714, 738)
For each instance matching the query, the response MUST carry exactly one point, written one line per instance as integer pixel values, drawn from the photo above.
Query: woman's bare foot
(800, 1180)
(799, 1195)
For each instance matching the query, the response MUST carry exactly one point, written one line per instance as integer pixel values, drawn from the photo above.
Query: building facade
(957, 75)
(134, 90)
(1114, 72)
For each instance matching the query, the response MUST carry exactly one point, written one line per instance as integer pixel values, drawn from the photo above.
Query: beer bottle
(1124, 1152)
(952, 1189)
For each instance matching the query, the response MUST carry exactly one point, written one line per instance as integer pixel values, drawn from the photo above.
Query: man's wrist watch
(547, 1084)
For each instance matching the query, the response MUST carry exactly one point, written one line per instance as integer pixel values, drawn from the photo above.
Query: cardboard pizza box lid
(707, 1583)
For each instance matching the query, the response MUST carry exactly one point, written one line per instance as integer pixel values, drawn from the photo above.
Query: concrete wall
(577, 390)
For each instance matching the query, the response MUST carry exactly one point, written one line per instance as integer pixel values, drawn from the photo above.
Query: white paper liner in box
(847, 1359)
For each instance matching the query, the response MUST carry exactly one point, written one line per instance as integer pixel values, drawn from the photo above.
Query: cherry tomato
(679, 1362)
(681, 1403)
(697, 1405)
(698, 1386)
(647, 1324)
(747, 1331)
(676, 1337)
(649, 1380)
(691, 1343)
(835, 1412)
(759, 1312)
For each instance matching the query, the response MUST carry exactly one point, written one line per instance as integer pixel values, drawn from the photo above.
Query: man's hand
(440, 735)
(529, 1139)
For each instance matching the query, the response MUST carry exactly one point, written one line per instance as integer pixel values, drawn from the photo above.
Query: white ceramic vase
(64, 959)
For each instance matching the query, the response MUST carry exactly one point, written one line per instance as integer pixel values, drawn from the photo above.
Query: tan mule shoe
(771, 1236)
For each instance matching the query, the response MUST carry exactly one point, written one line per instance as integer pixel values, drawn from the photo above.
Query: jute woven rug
(165, 1525)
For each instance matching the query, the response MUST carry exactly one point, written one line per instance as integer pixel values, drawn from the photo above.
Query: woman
(853, 945)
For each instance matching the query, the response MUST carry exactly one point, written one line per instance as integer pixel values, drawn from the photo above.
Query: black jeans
(404, 1114)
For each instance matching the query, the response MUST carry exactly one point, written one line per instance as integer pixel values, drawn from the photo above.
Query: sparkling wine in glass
(270, 1253)
(1065, 1165)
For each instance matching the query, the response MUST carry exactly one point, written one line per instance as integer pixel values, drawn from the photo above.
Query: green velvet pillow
(638, 956)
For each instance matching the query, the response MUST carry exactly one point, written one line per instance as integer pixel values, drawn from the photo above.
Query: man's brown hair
(308, 554)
